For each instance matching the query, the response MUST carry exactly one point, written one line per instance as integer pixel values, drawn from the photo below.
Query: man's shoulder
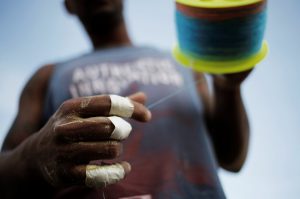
(41, 75)
(45, 70)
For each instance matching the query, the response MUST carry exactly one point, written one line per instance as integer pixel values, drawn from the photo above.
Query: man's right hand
(83, 130)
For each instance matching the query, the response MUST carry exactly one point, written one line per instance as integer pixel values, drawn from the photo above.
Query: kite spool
(220, 36)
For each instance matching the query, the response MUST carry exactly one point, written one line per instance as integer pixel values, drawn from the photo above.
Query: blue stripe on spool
(232, 39)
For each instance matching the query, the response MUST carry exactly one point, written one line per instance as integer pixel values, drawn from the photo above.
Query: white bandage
(121, 106)
(100, 176)
(122, 128)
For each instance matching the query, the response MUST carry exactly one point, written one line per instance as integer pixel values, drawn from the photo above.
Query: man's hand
(231, 80)
(83, 130)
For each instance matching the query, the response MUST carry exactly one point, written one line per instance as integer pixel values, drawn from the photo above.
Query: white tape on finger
(122, 128)
(121, 106)
(100, 176)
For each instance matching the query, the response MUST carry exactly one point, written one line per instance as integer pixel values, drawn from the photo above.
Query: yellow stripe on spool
(217, 3)
(219, 67)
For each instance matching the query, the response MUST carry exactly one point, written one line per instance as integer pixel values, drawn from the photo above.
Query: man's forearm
(229, 126)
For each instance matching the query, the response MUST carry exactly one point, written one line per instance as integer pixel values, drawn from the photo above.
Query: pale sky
(37, 32)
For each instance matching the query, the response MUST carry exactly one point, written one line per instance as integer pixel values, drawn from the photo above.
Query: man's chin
(104, 20)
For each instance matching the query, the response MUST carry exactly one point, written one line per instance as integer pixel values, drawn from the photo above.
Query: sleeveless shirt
(171, 156)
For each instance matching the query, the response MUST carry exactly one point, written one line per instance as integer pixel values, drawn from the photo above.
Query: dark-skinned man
(70, 138)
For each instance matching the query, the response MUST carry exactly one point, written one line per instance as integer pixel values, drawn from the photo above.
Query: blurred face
(88, 8)
(97, 12)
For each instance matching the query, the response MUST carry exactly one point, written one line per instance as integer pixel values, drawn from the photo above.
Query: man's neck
(114, 37)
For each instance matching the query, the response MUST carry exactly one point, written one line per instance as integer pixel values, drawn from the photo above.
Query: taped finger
(121, 106)
(101, 176)
(122, 128)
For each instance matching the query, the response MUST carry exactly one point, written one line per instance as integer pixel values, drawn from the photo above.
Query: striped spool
(220, 36)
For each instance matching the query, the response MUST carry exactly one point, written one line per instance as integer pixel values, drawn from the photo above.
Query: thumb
(138, 97)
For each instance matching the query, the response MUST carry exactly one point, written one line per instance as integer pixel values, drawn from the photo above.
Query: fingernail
(126, 166)
(148, 115)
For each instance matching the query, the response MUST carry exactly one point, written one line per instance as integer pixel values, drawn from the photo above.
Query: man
(71, 139)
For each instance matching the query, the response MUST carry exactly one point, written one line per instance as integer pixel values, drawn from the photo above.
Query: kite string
(166, 98)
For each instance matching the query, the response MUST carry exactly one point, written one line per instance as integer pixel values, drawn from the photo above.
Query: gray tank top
(171, 156)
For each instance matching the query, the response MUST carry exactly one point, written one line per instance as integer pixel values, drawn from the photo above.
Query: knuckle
(67, 106)
(57, 128)
(60, 131)
(113, 149)
(84, 102)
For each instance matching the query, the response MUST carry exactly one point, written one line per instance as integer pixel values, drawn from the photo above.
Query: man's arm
(226, 119)
(30, 110)
(14, 170)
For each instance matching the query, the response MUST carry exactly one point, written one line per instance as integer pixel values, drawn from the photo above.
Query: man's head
(102, 19)
(97, 14)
